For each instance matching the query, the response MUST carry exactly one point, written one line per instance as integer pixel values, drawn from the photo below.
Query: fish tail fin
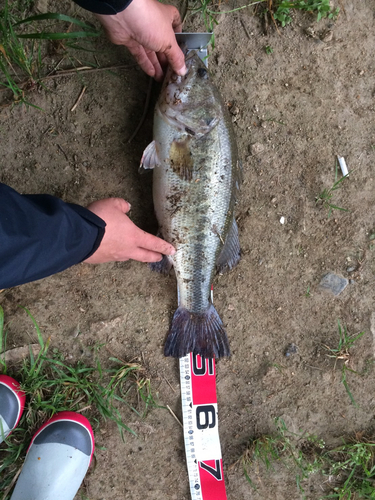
(200, 333)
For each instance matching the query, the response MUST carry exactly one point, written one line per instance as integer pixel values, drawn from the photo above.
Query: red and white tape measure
(201, 427)
(201, 434)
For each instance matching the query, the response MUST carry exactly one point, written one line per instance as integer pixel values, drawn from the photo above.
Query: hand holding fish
(146, 28)
(122, 239)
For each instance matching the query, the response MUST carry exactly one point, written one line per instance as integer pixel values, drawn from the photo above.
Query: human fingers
(100, 206)
(121, 204)
(175, 57)
(142, 255)
(142, 58)
(173, 53)
(159, 74)
(150, 242)
(147, 59)
(176, 18)
(162, 60)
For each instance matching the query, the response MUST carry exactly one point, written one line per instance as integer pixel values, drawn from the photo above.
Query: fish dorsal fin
(150, 158)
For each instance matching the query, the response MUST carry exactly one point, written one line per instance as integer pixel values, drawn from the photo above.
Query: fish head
(190, 102)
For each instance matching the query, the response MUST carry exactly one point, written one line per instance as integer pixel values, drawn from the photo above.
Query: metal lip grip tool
(195, 41)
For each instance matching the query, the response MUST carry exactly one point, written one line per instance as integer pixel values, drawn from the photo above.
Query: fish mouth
(189, 56)
(176, 81)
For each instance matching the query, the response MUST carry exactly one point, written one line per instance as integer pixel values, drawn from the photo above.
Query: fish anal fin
(200, 333)
(231, 252)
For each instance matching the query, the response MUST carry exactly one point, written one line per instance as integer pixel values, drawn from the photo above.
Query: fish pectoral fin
(150, 158)
(231, 252)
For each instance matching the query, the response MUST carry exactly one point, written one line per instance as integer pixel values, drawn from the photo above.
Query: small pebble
(256, 148)
(333, 283)
(327, 36)
(235, 110)
(290, 350)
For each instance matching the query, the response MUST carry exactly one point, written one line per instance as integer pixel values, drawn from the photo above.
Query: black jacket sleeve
(41, 235)
(110, 7)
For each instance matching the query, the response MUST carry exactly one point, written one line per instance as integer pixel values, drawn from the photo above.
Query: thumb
(176, 57)
(121, 204)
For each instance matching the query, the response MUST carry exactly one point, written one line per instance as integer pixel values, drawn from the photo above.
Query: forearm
(41, 235)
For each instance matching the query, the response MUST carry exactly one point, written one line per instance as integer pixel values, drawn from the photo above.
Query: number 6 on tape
(201, 434)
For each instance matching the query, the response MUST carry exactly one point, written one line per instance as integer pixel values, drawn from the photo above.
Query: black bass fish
(196, 178)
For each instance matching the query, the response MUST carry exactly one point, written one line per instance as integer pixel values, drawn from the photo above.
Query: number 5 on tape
(201, 434)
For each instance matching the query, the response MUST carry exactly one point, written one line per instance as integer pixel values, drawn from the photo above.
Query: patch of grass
(350, 468)
(88, 31)
(268, 49)
(325, 197)
(300, 452)
(354, 464)
(21, 53)
(16, 61)
(52, 385)
(207, 9)
(280, 10)
(341, 352)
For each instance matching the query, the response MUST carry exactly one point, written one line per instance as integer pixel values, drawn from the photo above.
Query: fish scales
(196, 179)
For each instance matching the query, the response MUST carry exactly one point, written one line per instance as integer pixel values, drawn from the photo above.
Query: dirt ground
(294, 110)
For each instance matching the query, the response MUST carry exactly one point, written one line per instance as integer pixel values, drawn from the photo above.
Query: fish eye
(202, 72)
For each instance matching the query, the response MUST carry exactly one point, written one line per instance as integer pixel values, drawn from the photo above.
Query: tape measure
(201, 434)
(201, 427)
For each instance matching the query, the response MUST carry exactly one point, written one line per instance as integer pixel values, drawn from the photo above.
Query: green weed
(22, 53)
(354, 463)
(325, 197)
(346, 342)
(349, 467)
(88, 31)
(280, 10)
(300, 452)
(16, 60)
(268, 49)
(52, 385)
(206, 9)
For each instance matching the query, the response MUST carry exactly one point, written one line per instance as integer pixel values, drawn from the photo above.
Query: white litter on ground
(342, 163)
